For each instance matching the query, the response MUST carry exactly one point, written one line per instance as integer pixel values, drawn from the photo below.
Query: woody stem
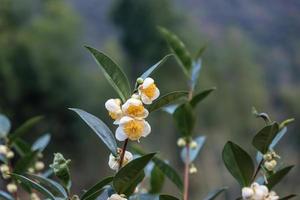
(123, 153)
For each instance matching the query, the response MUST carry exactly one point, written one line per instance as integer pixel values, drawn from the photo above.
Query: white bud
(247, 193)
(4, 169)
(11, 187)
(181, 142)
(31, 170)
(116, 197)
(139, 80)
(39, 165)
(270, 165)
(193, 169)
(3, 149)
(34, 196)
(114, 162)
(193, 144)
(268, 157)
(10, 154)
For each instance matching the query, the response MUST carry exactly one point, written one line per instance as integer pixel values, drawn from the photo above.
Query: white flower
(181, 142)
(272, 196)
(11, 187)
(247, 193)
(116, 197)
(193, 169)
(255, 192)
(10, 154)
(114, 109)
(132, 128)
(114, 162)
(148, 91)
(39, 165)
(134, 108)
(3, 149)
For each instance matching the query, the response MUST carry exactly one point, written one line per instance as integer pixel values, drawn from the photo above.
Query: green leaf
(264, 137)
(185, 119)
(288, 197)
(178, 48)
(167, 197)
(34, 185)
(24, 128)
(53, 186)
(100, 128)
(239, 163)
(22, 147)
(278, 176)
(5, 196)
(156, 180)
(96, 189)
(195, 73)
(25, 162)
(41, 143)
(113, 73)
(167, 99)
(5, 126)
(193, 152)
(213, 194)
(155, 67)
(127, 177)
(201, 96)
(200, 52)
(169, 172)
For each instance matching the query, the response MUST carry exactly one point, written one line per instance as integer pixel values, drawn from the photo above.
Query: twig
(186, 173)
(123, 153)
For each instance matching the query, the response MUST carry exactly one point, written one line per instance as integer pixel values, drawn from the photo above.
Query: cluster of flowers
(182, 142)
(6, 169)
(270, 160)
(258, 192)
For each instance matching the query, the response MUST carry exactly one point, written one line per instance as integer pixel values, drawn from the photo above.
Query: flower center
(149, 91)
(134, 129)
(134, 110)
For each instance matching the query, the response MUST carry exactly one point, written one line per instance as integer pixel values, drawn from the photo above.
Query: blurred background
(252, 58)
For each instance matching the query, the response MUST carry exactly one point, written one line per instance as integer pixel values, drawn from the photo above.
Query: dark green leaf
(179, 49)
(34, 185)
(278, 176)
(25, 162)
(167, 197)
(169, 172)
(200, 96)
(288, 197)
(156, 180)
(24, 128)
(185, 119)
(22, 147)
(41, 143)
(239, 163)
(128, 176)
(193, 152)
(213, 194)
(96, 188)
(167, 99)
(200, 52)
(5, 126)
(99, 128)
(53, 186)
(5, 196)
(155, 67)
(113, 73)
(265, 137)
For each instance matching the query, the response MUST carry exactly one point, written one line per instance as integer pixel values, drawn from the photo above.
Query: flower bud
(61, 169)
(30, 170)
(116, 197)
(39, 165)
(247, 193)
(268, 157)
(193, 169)
(139, 80)
(181, 142)
(114, 161)
(11, 187)
(193, 144)
(34, 196)
(10, 154)
(270, 165)
(4, 169)
(3, 149)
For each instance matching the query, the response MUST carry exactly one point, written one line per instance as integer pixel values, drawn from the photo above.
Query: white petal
(156, 94)
(125, 119)
(147, 129)
(146, 113)
(113, 164)
(120, 135)
(247, 192)
(112, 106)
(147, 82)
(145, 99)
(264, 189)
(131, 101)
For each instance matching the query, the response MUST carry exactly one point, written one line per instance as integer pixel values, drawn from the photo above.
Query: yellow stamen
(134, 110)
(134, 129)
(149, 91)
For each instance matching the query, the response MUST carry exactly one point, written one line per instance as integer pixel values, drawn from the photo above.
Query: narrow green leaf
(128, 176)
(278, 176)
(5, 126)
(288, 197)
(193, 152)
(157, 180)
(239, 163)
(178, 48)
(5, 196)
(201, 96)
(41, 143)
(167, 197)
(24, 128)
(153, 68)
(185, 119)
(96, 188)
(22, 147)
(53, 186)
(213, 194)
(100, 128)
(169, 172)
(25, 162)
(113, 73)
(167, 99)
(200, 52)
(265, 137)
(34, 185)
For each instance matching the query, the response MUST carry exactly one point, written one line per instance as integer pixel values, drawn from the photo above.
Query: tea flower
(256, 192)
(114, 109)
(116, 197)
(148, 91)
(132, 128)
(134, 108)
(3, 149)
(114, 161)
(270, 165)
(11, 187)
